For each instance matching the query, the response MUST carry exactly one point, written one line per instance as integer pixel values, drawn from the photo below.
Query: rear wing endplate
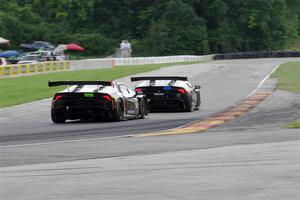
(58, 83)
(153, 78)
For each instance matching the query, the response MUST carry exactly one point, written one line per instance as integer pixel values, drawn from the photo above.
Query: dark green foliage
(94, 43)
(154, 27)
(178, 31)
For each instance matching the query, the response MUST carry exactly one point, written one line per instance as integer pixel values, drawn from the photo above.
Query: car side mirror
(197, 87)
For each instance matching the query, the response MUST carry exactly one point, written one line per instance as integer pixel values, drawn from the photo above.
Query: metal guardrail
(160, 59)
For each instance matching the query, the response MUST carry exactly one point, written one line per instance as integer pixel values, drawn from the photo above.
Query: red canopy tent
(71, 47)
(74, 47)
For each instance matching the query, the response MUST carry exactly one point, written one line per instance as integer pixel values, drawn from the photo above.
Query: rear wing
(153, 78)
(58, 83)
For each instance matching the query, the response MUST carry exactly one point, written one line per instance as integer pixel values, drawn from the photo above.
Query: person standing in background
(128, 49)
(123, 49)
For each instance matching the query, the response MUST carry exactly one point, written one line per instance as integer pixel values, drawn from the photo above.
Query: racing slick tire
(142, 108)
(119, 113)
(58, 117)
(198, 102)
(188, 107)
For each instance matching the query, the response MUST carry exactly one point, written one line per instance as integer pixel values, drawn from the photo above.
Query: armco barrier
(159, 60)
(91, 64)
(25, 69)
(87, 64)
(111, 62)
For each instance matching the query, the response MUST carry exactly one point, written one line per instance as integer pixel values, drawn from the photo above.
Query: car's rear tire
(142, 108)
(119, 113)
(188, 107)
(198, 101)
(58, 117)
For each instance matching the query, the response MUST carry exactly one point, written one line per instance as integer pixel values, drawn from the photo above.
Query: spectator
(125, 48)
(128, 49)
(122, 48)
(122, 45)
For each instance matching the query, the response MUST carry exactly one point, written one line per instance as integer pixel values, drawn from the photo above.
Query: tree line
(154, 27)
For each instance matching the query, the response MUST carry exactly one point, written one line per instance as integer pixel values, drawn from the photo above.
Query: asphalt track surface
(224, 83)
(93, 160)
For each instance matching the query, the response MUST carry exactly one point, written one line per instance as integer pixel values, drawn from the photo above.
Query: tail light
(107, 97)
(181, 91)
(138, 90)
(57, 97)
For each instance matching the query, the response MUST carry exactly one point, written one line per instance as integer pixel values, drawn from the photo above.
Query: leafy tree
(94, 43)
(155, 27)
(179, 31)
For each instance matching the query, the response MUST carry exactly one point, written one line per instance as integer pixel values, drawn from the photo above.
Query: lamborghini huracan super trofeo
(96, 100)
(169, 93)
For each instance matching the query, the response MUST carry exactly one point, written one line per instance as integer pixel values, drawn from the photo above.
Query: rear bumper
(170, 104)
(83, 111)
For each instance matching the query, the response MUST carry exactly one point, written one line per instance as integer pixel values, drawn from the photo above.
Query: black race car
(96, 100)
(169, 93)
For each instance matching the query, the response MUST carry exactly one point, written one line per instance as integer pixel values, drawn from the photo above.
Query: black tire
(188, 107)
(142, 108)
(119, 113)
(58, 117)
(198, 101)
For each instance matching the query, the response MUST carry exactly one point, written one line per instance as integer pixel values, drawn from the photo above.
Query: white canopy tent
(3, 41)
(60, 49)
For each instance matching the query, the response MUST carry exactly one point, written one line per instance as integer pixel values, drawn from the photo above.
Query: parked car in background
(49, 55)
(11, 56)
(37, 45)
(9, 53)
(60, 57)
(30, 59)
(14, 59)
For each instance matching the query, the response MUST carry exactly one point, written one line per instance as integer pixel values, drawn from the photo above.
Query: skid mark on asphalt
(215, 120)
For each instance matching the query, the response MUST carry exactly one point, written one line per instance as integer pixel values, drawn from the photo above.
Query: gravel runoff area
(252, 157)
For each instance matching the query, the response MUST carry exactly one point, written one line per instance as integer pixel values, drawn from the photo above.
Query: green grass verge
(294, 124)
(18, 90)
(288, 76)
